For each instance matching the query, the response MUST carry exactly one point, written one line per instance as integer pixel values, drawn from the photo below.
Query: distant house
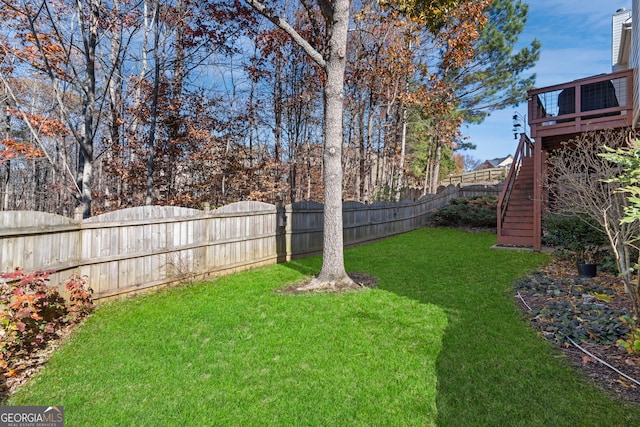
(500, 162)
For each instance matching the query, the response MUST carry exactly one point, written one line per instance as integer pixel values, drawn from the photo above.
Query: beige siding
(619, 60)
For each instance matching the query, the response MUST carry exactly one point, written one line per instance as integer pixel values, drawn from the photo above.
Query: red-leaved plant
(33, 312)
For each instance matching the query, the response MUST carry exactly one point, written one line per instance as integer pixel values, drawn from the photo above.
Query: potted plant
(585, 257)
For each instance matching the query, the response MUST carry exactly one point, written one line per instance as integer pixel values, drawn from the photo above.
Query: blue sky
(576, 43)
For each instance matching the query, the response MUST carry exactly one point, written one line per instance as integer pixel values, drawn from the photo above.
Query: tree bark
(403, 144)
(278, 107)
(333, 269)
(435, 175)
(336, 14)
(90, 40)
(115, 107)
(7, 165)
(154, 106)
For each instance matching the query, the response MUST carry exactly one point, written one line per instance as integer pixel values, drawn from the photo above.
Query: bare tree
(579, 182)
(61, 43)
(6, 180)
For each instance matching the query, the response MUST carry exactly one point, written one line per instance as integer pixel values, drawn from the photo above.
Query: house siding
(634, 61)
(617, 30)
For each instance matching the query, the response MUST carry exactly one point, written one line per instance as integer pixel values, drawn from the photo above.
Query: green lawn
(439, 342)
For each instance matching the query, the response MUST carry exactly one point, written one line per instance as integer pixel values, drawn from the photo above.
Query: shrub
(30, 309)
(631, 342)
(476, 212)
(576, 236)
(33, 312)
(80, 303)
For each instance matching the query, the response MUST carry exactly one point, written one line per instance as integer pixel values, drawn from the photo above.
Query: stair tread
(518, 207)
(520, 241)
(517, 233)
(509, 220)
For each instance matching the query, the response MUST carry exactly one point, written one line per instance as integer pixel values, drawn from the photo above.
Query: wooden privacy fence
(138, 248)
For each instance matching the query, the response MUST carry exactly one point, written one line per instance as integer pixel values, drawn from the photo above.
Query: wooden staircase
(516, 207)
(517, 222)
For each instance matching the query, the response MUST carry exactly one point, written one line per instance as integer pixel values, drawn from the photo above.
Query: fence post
(77, 214)
(281, 233)
(207, 233)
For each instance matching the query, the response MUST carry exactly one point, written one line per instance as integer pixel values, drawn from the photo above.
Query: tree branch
(34, 134)
(287, 28)
(315, 25)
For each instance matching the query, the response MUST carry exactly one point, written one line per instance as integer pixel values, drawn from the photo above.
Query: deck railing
(598, 102)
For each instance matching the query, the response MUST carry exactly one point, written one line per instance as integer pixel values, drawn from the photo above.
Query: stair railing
(525, 149)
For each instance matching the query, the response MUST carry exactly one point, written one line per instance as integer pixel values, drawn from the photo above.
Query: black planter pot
(587, 270)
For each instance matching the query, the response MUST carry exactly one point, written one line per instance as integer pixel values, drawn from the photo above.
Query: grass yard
(440, 342)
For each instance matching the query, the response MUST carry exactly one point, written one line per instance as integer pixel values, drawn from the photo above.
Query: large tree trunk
(7, 186)
(403, 142)
(435, 174)
(175, 118)
(308, 165)
(336, 15)
(115, 111)
(88, 111)
(333, 271)
(362, 158)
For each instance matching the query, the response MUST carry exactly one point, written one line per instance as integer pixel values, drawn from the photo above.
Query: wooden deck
(557, 114)
(561, 112)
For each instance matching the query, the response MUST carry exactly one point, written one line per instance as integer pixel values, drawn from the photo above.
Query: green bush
(577, 235)
(476, 212)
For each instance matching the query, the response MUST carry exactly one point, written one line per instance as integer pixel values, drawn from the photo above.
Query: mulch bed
(559, 303)
(24, 365)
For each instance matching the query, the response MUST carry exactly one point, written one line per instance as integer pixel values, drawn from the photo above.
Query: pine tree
(494, 79)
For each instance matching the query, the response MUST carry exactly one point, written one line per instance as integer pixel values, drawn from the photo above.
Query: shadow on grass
(306, 266)
(443, 310)
(493, 369)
